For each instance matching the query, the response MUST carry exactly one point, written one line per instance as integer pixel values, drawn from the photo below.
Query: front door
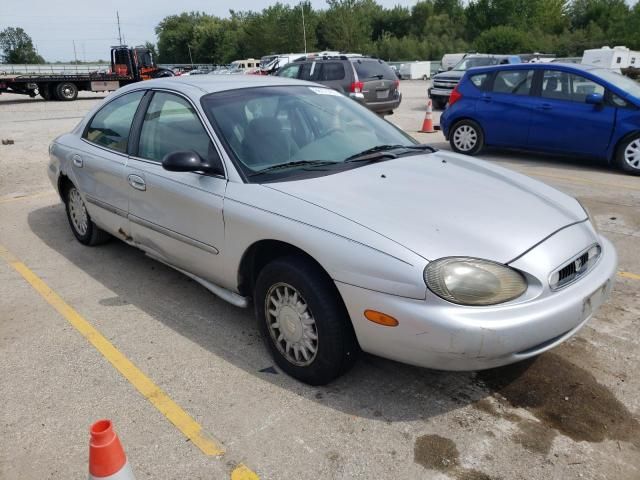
(562, 120)
(176, 216)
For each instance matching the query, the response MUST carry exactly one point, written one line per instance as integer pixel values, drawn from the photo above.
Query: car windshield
(625, 84)
(277, 131)
(467, 63)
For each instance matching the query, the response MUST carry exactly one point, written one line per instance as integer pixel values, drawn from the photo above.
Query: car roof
(215, 83)
(538, 66)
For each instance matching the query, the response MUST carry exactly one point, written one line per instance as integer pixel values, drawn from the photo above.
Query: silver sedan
(341, 231)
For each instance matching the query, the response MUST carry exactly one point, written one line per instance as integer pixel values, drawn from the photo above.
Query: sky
(54, 26)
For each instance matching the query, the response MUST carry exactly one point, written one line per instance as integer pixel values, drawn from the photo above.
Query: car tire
(45, 91)
(467, 137)
(628, 155)
(83, 228)
(66, 91)
(438, 104)
(295, 290)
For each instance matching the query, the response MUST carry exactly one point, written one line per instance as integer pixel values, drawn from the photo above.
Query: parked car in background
(568, 109)
(444, 83)
(450, 60)
(616, 58)
(369, 81)
(338, 229)
(415, 71)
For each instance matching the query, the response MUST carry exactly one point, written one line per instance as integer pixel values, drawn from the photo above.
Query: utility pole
(119, 32)
(75, 56)
(190, 57)
(304, 30)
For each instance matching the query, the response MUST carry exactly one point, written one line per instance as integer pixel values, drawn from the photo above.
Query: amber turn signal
(380, 318)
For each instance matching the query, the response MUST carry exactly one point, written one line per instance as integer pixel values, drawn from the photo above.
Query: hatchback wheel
(467, 137)
(628, 155)
(303, 321)
(81, 224)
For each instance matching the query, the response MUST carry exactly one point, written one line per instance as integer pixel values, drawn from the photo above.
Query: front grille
(448, 85)
(575, 268)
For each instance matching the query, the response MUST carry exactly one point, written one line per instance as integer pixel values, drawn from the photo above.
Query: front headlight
(473, 281)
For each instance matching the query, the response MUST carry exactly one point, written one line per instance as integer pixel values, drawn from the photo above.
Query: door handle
(77, 161)
(137, 182)
(486, 99)
(545, 106)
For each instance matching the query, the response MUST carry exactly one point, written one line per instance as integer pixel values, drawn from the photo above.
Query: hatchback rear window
(367, 69)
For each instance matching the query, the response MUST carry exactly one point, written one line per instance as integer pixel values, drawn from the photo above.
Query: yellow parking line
(149, 390)
(632, 276)
(243, 473)
(26, 197)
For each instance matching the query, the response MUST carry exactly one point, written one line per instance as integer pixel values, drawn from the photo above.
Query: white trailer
(615, 58)
(415, 70)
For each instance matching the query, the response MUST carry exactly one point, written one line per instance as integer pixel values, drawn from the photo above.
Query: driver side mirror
(594, 99)
(190, 161)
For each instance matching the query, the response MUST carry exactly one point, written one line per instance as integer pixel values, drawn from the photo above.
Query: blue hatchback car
(566, 109)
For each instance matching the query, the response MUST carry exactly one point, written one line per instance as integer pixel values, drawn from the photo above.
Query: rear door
(99, 164)
(504, 108)
(562, 121)
(333, 75)
(379, 80)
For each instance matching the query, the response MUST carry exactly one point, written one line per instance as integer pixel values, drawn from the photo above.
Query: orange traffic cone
(106, 455)
(427, 123)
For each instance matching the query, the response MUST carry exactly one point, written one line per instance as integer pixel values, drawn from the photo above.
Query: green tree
(17, 47)
(504, 39)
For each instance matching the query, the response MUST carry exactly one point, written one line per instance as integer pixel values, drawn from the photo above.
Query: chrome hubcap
(632, 154)
(291, 324)
(465, 138)
(77, 212)
(67, 92)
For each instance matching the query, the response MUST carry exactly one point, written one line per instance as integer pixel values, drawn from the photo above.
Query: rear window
(367, 69)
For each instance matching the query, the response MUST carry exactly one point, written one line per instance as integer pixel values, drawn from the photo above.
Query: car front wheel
(81, 224)
(467, 137)
(628, 155)
(304, 323)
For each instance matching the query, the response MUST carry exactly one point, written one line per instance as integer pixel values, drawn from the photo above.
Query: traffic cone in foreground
(427, 123)
(106, 455)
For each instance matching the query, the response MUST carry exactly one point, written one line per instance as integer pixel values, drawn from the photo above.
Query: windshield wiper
(296, 163)
(383, 151)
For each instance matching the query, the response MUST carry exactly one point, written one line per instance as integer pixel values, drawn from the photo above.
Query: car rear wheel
(467, 137)
(303, 321)
(83, 228)
(628, 155)
(438, 104)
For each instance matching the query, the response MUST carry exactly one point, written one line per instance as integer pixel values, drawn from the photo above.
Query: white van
(248, 65)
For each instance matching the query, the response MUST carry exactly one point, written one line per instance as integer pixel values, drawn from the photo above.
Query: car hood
(443, 204)
(450, 75)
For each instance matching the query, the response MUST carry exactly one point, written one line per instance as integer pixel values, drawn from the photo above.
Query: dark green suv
(367, 80)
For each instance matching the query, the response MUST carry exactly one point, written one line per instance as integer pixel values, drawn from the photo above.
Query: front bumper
(439, 93)
(436, 334)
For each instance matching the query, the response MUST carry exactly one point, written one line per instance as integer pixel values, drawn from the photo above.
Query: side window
(170, 124)
(307, 70)
(567, 86)
(290, 71)
(617, 101)
(479, 80)
(515, 82)
(331, 71)
(110, 126)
